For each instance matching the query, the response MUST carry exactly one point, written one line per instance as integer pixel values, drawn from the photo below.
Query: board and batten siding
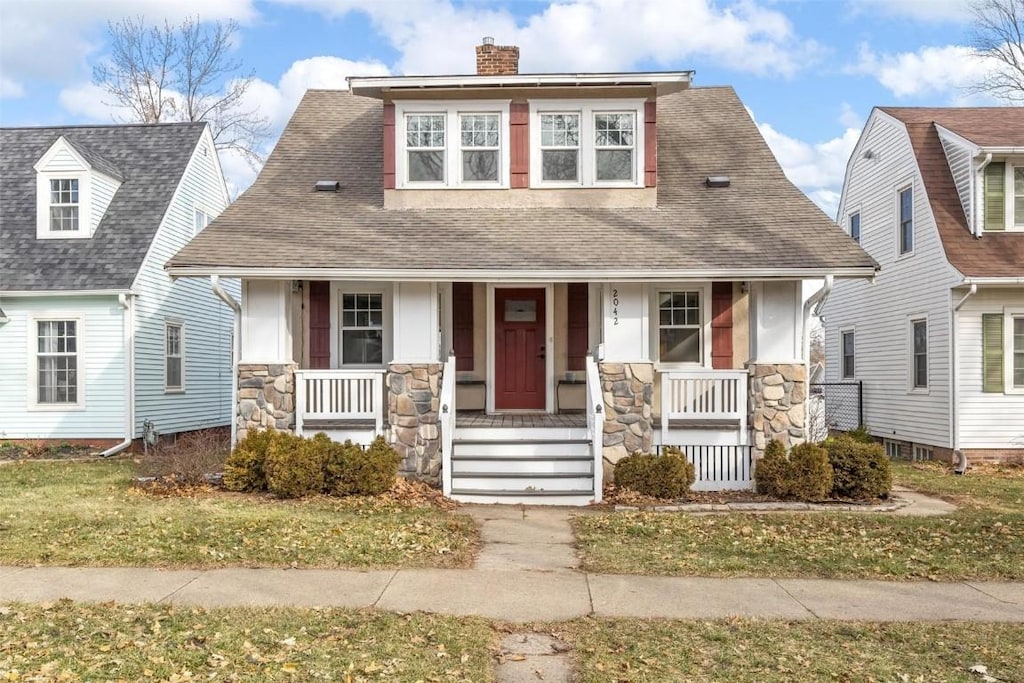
(208, 323)
(986, 420)
(879, 314)
(101, 359)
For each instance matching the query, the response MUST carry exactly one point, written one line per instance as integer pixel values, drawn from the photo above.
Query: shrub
(809, 472)
(295, 466)
(862, 470)
(352, 471)
(244, 468)
(771, 471)
(186, 459)
(669, 475)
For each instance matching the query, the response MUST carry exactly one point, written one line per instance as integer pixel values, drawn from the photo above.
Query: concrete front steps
(534, 466)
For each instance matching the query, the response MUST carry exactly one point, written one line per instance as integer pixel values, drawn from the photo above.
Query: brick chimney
(496, 60)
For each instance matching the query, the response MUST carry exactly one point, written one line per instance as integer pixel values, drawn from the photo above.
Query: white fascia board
(375, 86)
(68, 292)
(540, 276)
(993, 281)
(957, 139)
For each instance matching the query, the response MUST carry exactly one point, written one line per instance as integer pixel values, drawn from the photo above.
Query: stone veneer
(778, 404)
(413, 402)
(628, 389)
(266, 397)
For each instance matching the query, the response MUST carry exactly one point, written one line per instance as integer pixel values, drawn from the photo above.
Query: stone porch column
(414, 397)
(777, 403)
(628, 390)
(266, 397)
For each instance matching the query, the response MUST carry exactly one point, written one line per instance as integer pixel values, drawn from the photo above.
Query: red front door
(519, 351)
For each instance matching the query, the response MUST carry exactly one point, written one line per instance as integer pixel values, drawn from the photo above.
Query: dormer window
(424, 140)
(1004, 196)
(481, 144)
(560, 147)
(64, 205)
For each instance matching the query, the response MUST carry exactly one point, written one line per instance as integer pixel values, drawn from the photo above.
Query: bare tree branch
(183, 73)
(998, 37)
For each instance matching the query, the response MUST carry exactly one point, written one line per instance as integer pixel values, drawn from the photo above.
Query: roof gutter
(994, 281)
(70, 292)
(128, 334)
(814, 304)
(236, 347)
(976, 228)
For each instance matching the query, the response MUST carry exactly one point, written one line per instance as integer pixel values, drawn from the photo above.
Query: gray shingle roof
(150, 161)
(760, 221)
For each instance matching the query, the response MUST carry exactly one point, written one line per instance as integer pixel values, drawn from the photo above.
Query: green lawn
(87, 514)
(982, 540)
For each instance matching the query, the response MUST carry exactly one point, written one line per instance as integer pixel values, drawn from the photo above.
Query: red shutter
(462, 325)
(721, 325)
(651, 144)
(519, 144)
(319, 325)
(389, 146)
(579, 329)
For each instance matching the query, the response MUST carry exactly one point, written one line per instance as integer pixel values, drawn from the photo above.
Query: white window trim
(900, 189)
(338, 289)
(843, 331)
(911, 319)
(33, 362)
(849, 225)
(201, 208)
(922, 452)
(890, 444)
(43, 230)
(452, 143)
(704, 289)
(588, 152)
(180, 324)
(1009, 314)
(1009, 224)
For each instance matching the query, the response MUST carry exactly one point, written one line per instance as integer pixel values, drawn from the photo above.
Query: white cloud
(945, 70)
(927, 11)
(436, 36)
(10, 88)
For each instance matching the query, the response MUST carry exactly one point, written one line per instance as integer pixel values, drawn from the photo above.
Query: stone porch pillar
(777, 403)
(628, 390)
(414, 397)
(266, 397)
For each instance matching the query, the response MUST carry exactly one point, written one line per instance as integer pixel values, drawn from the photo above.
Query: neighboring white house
(936, 196)
(542, 273)
(95, 338)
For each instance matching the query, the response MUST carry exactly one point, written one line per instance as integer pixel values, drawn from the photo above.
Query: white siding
(959, 159)
(916, 284)
(101, 192)
(63, 161)
(986, 420)
(208, 322)
(101, 358)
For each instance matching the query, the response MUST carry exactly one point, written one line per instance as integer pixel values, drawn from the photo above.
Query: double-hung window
(855, 227)
(57, 352)
(174, 356)
(680, 325)
(906, 222)
(614, 142)
(425, 147)
(362, 329)
(64, 205)
(480, 147)
(847, 354)
(560, 147)
(919, 353)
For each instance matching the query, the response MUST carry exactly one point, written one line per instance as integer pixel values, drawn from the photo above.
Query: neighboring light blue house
(95, 338)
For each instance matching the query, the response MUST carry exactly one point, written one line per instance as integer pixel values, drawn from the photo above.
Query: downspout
(816, 302)
(236, 350)
(955, 365)
(976, 215)
(128, 332)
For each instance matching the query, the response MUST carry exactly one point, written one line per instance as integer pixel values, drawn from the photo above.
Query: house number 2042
(615, 307)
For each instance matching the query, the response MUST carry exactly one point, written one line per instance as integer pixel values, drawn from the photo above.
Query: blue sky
(809, 71)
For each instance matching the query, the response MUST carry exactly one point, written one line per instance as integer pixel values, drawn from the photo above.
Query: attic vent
(327, 186)
(717, 181)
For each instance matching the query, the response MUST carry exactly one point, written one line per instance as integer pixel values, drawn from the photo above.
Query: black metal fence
(834, 406)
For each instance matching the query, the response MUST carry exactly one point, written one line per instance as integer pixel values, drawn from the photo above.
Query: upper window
(174, 357)
(679, 327)
(855, 227)
(906, 226)
(586, 143)
(57, 362)
(919, 342)
(362, 329)
(1004, 196)
(452, 144)
(848, 355)
(200, 220)
(64, 205)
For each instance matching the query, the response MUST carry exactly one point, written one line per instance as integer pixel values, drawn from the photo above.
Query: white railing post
(447, 420)
(595, 425)
(300, 400)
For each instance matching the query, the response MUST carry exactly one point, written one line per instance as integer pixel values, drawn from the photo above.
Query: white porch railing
(595, 425)
(343, 400)
(704, 399)
(447, 423)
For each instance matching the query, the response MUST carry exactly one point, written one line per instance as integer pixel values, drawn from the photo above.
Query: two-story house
(938, 338)
(520, 278)
(97, 345)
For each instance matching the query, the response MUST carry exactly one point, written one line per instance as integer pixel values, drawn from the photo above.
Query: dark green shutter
(992, 352)
(995, 196)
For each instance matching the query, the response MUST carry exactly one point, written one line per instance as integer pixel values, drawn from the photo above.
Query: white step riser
(497, 450)
(521, 433)
(575, 501)
(538, 466)
(532, 483)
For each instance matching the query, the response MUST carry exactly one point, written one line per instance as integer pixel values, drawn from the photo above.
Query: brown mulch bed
(34, 450)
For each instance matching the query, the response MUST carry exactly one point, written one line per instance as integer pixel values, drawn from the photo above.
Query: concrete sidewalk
(522, 596)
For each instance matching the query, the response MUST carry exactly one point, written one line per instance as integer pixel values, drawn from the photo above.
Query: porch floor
(478, 418)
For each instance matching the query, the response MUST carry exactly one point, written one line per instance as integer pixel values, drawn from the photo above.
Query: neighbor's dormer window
(63, 204)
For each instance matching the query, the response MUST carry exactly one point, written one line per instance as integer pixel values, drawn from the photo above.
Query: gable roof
(149, 160)
(996, 254)
(761, 221)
